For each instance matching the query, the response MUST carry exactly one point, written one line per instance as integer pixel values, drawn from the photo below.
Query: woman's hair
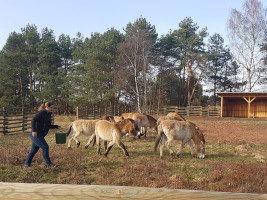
(44, 105)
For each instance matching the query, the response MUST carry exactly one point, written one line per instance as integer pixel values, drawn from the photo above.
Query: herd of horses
(112, 128)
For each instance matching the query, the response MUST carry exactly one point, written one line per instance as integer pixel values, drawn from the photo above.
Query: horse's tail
(69, 129)
(158, 138)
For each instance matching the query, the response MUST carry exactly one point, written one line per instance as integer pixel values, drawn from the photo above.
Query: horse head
(198, 139)
(129, 126)
(200, 146)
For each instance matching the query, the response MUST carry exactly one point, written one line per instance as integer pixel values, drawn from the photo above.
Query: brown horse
(143, 121)
(170, 130)
(113, 132)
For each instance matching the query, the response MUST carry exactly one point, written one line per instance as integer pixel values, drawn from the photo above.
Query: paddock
(235, 162)
(30, 191)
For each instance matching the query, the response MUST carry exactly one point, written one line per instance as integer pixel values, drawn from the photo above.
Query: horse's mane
(202, 138)
(197, 131)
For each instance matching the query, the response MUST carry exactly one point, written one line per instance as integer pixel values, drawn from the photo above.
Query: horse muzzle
(201, 156)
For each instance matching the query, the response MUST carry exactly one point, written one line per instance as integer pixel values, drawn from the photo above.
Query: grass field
(228, 167)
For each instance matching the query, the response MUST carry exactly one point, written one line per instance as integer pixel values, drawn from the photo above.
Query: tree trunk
(191, 89)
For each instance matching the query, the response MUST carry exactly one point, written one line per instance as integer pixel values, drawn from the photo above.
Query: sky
(88, 16)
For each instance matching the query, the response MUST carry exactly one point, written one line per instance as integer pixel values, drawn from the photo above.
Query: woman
(40, 124)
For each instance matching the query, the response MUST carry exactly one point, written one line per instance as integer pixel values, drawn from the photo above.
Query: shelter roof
(242, 94)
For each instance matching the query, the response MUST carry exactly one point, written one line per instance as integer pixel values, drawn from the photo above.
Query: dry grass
(228, 167)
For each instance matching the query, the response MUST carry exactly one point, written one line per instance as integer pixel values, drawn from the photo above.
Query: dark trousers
(37, 143)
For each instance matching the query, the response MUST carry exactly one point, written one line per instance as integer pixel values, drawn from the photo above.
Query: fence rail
(14, 120)
(90, 113)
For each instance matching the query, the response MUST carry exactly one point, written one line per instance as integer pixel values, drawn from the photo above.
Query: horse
(127, 115)
(180, 130)
(118, 118)
(86, 127)
(176, 116)
(143, 121)
(171, 116)
(113, 132)
(152, 122)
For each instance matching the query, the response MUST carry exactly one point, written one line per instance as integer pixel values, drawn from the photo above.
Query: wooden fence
(29, 191)
(16, 119)
(89, 113)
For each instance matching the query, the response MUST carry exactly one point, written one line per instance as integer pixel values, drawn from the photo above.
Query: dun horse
(170, 130)
(86, 127)
(113, 132)
(176, 116)
(171, 116)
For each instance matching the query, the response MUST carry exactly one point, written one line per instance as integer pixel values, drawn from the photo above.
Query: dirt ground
(238, 132)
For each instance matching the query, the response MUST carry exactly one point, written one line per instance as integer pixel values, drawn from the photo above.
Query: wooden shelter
(243, 104)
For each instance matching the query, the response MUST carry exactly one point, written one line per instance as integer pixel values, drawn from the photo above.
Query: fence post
(23, 120)
(77, 112)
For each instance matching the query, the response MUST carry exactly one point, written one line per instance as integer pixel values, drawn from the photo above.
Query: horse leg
(193, 153)
(76, 140)
(121, 145)
(92, 138)
(141, 130)
(181, 148)
(110, 145)
(106, 145)
(161, 145)
(69, 143)
(75, 134)
(98, 144)
(145, 132)
(168, 147)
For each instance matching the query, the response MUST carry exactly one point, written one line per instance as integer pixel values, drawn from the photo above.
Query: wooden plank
(66, 191)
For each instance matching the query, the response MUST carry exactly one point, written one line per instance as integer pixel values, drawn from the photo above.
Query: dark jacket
(41, 122)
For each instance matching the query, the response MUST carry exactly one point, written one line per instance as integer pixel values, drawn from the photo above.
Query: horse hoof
(178, 155)
(86, 147)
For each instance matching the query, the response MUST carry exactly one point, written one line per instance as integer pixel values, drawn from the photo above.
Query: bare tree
(246, 34)
(134, 53)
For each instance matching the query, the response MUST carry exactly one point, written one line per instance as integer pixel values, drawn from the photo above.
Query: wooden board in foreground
(65, 191)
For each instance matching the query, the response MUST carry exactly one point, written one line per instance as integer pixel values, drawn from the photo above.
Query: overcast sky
(87, 16)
